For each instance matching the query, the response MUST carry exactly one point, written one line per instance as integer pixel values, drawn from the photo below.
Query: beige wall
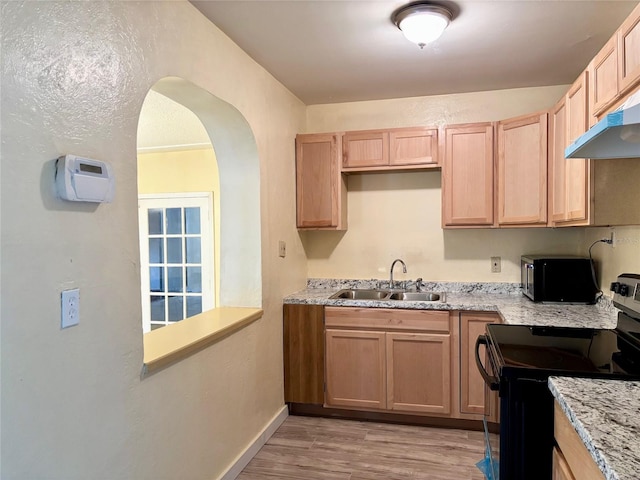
(611, 261)
(184, 171)
(178, 171)
(74, 405)
(432, 110)
(399, 215)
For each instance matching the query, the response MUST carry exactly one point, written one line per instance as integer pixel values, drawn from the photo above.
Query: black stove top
(562, 351)
(549, 350)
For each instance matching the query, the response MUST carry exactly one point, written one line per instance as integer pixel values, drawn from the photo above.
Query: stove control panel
(626, 291)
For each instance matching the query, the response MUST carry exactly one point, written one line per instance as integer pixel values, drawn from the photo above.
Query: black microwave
(555, 279)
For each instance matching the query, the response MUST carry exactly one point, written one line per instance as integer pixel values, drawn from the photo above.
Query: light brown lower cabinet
(388, 359)
(560, 469)
(571, 459)
(475, 396)
(303, 345)
(419, 372)
(403, 361)
(355, 371)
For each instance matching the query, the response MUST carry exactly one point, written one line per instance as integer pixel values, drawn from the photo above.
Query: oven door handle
(490, 380)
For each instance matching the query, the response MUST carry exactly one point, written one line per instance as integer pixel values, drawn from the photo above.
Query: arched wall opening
(239, 240)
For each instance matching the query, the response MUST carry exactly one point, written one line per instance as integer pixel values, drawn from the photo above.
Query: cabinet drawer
(389, 319)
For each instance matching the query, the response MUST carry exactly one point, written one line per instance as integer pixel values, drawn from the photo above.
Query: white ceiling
(328, 51)
(165, 125)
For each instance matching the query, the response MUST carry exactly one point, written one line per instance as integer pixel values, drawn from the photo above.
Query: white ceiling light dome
(422, 23)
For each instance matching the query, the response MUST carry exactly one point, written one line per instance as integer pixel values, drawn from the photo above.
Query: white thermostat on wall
(81, 179)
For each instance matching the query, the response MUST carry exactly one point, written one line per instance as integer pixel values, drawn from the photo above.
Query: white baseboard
(255, 446)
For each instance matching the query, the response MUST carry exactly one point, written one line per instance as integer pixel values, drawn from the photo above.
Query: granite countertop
(606, 416)
(503, 298)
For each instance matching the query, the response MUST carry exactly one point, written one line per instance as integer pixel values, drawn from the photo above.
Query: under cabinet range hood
(615, 136)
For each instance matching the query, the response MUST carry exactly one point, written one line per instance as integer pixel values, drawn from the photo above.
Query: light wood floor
(320, 448)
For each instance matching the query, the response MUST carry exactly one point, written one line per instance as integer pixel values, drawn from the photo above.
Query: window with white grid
(176, 257)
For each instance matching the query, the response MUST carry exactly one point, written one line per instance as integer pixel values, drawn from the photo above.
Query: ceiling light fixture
(422, 23)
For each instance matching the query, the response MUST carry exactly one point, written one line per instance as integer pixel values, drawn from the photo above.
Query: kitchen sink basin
(375, 294)
(362, 294)
(418, 296)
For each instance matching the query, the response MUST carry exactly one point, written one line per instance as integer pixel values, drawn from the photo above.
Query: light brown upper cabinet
(321, 190)
(467, 175)
(365, 149)
(615, 70)
(396, 149)
(586, 192)
(629, 51)
(413, 146)
(577, 173)
(557, 168)
(569, 179)
(603, 75)
(522, 171)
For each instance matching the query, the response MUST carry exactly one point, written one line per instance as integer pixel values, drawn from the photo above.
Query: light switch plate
(282, 248)
(496, 264)
(70, 308)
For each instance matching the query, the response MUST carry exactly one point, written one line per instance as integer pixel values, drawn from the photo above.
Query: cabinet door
(355, 369)
(303, 344)
(467, 175)
(522, 170)
(413, 146)
(577, 169)
(475, 396)
(419, 372)
(560, 469)
(320, 188)
(365, 149)
(629, 51)
(557, 164)
(603, 74)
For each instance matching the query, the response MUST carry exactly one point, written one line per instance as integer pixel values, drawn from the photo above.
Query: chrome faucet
(404, 270)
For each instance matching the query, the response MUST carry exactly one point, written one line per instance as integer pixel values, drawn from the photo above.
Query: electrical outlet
(496, 264)
(282, 248)
(70, 308)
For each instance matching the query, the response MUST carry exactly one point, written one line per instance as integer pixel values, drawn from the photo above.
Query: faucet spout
(404, 270)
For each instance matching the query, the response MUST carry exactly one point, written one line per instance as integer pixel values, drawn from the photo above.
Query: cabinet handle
(490, 380)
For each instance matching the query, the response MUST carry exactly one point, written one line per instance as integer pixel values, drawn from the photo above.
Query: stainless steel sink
(418, 296)
(362, 294)
(375, 294)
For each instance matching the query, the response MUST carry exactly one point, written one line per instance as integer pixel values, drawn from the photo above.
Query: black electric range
(521, 358)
